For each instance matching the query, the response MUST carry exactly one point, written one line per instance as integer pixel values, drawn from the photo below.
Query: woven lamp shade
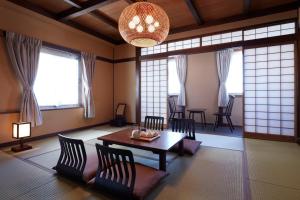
(144, 24)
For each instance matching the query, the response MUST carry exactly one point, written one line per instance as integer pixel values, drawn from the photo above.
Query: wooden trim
(74, 3)
(31, 139)
(96, 13)
(74, 51)
(130, 1)
(203, 49)
(297, 84)
(42, 109)
(100, 58)
(281, 138)
(194, 11)
(49, 108)
(125, 60)
(236, 29)
(105, 18)
(138, 86)
(9, 112)
(35, 8)
(86, 7)
(259, 13)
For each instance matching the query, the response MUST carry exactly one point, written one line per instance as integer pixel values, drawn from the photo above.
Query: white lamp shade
(21, 130)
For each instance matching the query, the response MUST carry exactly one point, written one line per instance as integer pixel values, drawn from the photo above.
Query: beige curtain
(88, 61)
(181, 66)
(24, 54)
(223, 63)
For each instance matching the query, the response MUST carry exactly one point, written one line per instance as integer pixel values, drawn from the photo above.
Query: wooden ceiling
(100, 17)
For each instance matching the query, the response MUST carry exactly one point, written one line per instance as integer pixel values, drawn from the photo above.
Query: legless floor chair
(119, 175)
(74, 162)
(120, 119)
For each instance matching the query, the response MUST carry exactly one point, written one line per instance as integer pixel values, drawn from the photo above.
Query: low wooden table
(201, 111)
(159, 146)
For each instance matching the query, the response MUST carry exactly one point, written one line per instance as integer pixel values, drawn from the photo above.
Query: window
(57, 80)
(173, 81)
(222, 38)
(270, 31)
(234, 83)
(154, 88)
(269, 97)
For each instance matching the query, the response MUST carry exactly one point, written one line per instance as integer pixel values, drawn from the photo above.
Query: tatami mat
(215, 172)
(273, 169)
(266, 191)
(274, 162)
(18, 177)
(211, 174)
(224, 142)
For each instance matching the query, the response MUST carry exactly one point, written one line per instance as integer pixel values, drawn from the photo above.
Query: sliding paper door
(154, 88)
(269, 90)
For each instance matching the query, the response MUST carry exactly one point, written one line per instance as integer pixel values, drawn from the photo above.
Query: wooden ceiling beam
(96, 13)
(130, 1)
(195, 12)
(86, 8)
(247, 6)
(35, 8)
(259, 13)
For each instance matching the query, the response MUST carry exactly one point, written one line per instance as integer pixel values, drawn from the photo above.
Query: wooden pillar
(138, 87)
(297, 70)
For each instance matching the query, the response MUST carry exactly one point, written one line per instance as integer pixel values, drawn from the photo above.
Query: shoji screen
(269, 90)
(154, 88)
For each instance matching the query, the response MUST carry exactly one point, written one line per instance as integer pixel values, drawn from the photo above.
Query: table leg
(190, 115)
(180, 148)
(220, 120)
(204, 119)
(163, 161)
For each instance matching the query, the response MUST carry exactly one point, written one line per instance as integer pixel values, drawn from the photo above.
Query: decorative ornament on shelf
(144, 24)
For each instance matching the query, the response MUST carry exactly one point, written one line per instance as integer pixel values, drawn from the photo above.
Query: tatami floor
(228, 168)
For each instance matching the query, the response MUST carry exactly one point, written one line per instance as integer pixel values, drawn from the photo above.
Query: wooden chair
(154, 123)
(174, 109)
(226, 114)
(74, 162)
(124, 178)
(186, 126)
(120, 119)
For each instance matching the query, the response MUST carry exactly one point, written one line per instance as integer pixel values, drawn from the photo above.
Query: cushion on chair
(189, 146)
(146, 179)
(90, 167)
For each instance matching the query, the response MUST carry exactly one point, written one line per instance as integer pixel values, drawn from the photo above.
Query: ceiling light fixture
(144, 24)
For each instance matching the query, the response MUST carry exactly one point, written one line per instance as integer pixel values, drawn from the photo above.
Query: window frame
(80, 88)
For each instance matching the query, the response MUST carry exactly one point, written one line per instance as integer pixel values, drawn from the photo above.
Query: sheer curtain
(24, 55)
(181, 66)
(88, 61)
(223, 63)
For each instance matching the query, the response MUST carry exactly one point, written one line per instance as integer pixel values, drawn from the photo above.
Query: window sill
(236, 94)
(49, 108)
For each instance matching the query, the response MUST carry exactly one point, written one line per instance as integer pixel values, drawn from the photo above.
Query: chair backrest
(154, 123)
(186, 126)
(121, 108)
(172, 103)
(72, 159)
(229, 106)
(116, 171)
